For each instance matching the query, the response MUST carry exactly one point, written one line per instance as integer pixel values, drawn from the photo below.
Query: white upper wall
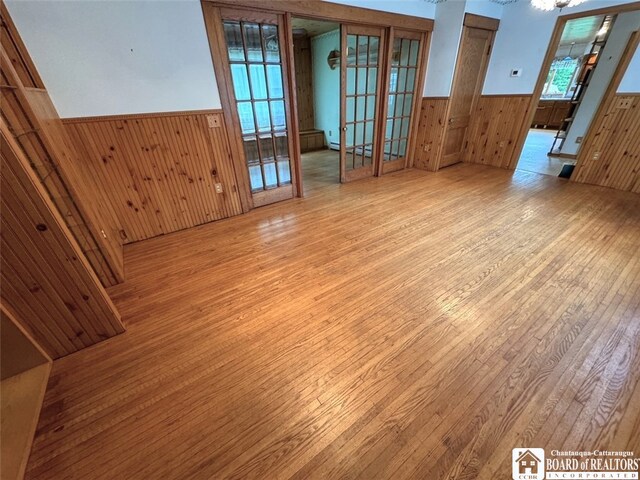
(117, 57)
(522, 41)
(631, 80)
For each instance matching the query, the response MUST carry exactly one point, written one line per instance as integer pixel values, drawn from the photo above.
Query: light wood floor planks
(418, 325)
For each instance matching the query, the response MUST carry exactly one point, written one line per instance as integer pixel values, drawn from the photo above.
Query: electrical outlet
(579, 139)
(426, 148)
(596, 155)
(213, 121)
(624, 103)
(218, 188)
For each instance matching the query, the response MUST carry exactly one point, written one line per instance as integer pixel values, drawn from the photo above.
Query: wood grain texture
(415, 325)
(159, 171)
(615, 139)
(35, 123)
(494, 129)
(430, 132)
(46, 280)
(304, 81)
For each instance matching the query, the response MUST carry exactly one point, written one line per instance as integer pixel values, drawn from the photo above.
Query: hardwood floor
(534, 156)
(320, 169)
(418, 325)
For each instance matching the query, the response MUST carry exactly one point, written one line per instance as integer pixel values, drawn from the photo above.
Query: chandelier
(549, 5)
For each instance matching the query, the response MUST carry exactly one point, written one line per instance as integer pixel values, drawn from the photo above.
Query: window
(562, 78)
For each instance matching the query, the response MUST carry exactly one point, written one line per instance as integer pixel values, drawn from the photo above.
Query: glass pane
(404, 51)
(391, 106)
(397, 112)
(368, 132)
(266, 148)
(284, 172)
(362, 80)
(240, 81)
(411, 79)
(359, 134)
(274, 79)
(402, 80)
(371, 107)
(360, 108)
(374, 47)
(233, 35)
(351, 49)
(387, 151)
(262, 116)
(402, 149)
(251, 150)
(373, 80)
(258, 81)
(349, 159)
(350, 113)
(408, 100)
(363, 49)
(395, 57)
(271, 43)
(278, 118)
(404, 131)
(252, 40)
(282, 146)
(393, 80)
(396, 128)
(351, 81)
(349, 135)
(245, 113)
(270, 177)
(413, 56)
(388, 130)
(255, 174)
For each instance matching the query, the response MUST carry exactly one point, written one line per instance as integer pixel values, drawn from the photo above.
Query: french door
(405, 53)
(360, 87)
(257, 64)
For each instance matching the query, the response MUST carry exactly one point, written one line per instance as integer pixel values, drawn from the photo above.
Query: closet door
(257, 65)
(403, 67)
(360, 86)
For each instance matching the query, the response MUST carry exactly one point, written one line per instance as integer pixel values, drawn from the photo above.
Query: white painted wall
(601, 77)
(326, 86)
(631, 81)
(522, 41)
(117, 57)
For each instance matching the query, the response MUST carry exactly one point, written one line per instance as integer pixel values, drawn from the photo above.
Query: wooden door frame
(546, 65)
(327, 11)
(470, 21)
(423, 53)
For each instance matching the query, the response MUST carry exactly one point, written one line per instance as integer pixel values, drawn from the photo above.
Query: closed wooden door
(471, 67)
(257, 64)
(360, 86)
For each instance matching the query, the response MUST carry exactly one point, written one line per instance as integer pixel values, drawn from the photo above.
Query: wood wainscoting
(495, 125)
(610, 155)
(46, 279)
(160, 170)
(430, 133)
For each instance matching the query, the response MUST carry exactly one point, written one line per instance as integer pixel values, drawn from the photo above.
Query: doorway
(550, 146)
(316, 52)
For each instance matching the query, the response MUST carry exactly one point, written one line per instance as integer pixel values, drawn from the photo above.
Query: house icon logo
(528, 463)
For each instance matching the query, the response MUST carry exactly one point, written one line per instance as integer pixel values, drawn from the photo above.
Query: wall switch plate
(426, 148)
(218, 188)
(516, 72)
(579, 139)
(596, 155)
(213, 121)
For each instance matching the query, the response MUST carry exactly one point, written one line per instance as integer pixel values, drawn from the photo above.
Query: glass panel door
(360, 86)
(256, 64)
(402, 85)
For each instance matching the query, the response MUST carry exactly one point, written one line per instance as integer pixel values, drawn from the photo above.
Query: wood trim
(267, 197)
(380, 130)
(136, 116)
(568, 156)
(422, 76)
(546, 64)
(331, 11)
(295, 155)
(213, 25)
(479, 21)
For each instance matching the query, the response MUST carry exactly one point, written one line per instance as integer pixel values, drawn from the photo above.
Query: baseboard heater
(336, 146)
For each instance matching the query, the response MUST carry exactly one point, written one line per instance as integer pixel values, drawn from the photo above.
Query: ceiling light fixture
(549, 5)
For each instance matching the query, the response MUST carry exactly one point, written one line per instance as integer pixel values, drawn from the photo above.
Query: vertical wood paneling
(610, 154)
(46, 279)
(159, 170)
(494, 129)
(304, 81)
(430, 132)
